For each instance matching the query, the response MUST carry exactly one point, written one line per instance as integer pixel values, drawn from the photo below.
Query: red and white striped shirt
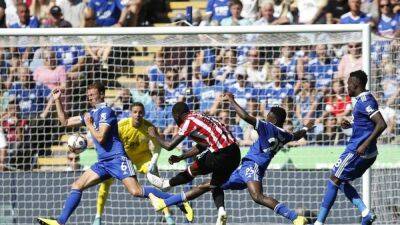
(206, 130)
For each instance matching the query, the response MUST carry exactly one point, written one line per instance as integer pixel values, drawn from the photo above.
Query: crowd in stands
(308, 81)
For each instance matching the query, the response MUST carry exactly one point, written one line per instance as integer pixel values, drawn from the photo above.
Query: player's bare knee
(77, 185)
(136, 192)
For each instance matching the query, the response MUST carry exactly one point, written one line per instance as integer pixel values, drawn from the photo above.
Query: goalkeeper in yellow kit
(133, 134)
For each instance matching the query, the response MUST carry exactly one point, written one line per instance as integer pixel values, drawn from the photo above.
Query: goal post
(299, 67)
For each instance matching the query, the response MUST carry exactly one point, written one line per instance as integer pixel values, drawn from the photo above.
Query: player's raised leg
(86, 180)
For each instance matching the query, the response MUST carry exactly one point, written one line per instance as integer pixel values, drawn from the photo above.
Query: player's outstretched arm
(380, 126)
(302, 133)
(239, 110)
(163, 143)
(193, 152)
(62, 117)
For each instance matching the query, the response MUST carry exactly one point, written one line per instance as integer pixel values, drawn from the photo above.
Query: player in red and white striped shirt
(220, 155)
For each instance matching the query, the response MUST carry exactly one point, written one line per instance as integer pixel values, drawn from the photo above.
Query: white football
(77, 143)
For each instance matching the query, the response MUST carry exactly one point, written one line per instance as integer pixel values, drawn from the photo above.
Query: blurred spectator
(122, 104)
(174, 90)
(73, 162)
(225, 73)
(250, 9)
(135, 14)
(235, 7)
(309, 11)
(73, 11)
(105, 13)
(72, 58)
(267, 16)
(30, 96)
(288, 104)
(256, 69)
(2, 14)
(276, 90)
(351, 61)
(57, 18)
(388, 23)
(291, 70)
(396, 6)
(229, 122)
(50, 75)
(337, 103)
(371, 7)
(390, 83)
(334, 10)
(322, 68)
(282, 10)
(3, 150)
(25, 19)
(242, 89)
(216, 11)
(11, 12)
(159, 115)
(41, 10)
(13, 127)
(156, 75)
(141, 93)
(331, 134)
(209, 91)
(306, 103)
(355, 15)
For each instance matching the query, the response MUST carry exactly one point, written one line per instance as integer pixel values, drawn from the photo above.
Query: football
(77, 143)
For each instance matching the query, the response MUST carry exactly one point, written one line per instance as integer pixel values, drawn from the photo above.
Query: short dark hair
(280, 114)
(180, 108)
(137, 104)
(99, 86)
(361, 76)
(235, 2)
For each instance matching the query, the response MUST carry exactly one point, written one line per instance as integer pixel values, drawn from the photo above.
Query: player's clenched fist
(88, 119)
(228, 96)
(56, 92)
(345, 124)
(174, 159)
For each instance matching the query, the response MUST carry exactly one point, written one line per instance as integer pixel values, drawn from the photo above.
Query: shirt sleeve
(91, 5)
(108, 117)
(369, 107)
(187, 128)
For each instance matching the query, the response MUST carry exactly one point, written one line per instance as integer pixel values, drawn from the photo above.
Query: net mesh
(305, 73)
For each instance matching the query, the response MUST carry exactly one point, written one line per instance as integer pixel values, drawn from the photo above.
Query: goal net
(301, 68)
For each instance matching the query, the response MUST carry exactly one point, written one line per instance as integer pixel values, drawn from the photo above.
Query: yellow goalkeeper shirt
(136, 141)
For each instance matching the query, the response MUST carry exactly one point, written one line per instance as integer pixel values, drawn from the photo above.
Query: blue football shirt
(270, 140)
(112, 146)
(366, 106)
(348, 18)
(107, 11)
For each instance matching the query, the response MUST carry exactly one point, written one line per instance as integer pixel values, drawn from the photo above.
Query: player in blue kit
(102, 123)
(360, 152)
(254, 164)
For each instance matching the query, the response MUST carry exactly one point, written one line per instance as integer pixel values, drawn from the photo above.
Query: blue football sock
(70, 205)
(284, 211)
(156, 192)
(353, 196)
(327, 202)
(175, 199)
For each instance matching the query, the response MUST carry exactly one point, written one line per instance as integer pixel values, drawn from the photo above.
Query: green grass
(311, 157)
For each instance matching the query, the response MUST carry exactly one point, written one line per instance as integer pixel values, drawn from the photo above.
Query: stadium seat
(183, 5)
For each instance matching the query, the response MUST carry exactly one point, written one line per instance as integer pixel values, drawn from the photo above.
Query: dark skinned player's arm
(242, 113)
(380, 126)
(176, 140)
